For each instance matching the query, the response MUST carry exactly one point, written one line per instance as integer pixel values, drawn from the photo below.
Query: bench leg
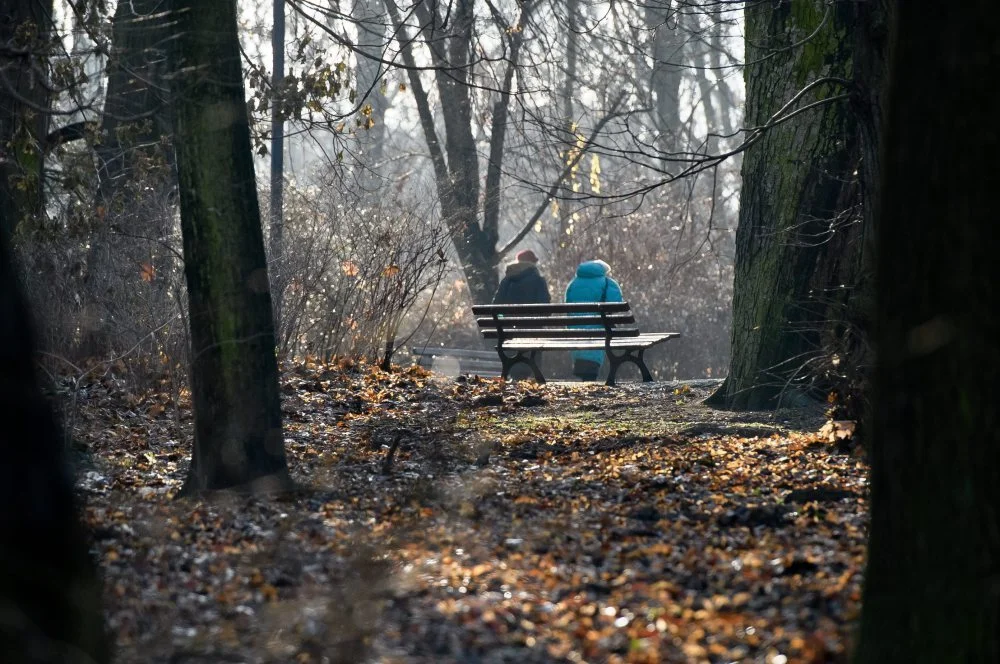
(532, 361)
(643, 369)
(628, 355)
(505, 364)
(616, 361)
(528, 358)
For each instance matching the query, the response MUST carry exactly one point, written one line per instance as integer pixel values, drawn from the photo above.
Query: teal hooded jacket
(592, 284)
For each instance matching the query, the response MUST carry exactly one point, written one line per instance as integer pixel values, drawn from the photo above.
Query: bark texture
(663, 20)
(50, 595)
(234, 375)
(371, 23)
(24, 35)
(276, 212)
(934, 551)
(136, 125)
(798, 244)
(135, 168)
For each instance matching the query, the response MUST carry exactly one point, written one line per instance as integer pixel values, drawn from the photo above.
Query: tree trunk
(475, 244)
(570, 81)
(498, 135)
(456, 168)
(136, 124)
(726, 102)
(50, 595)
(871, 63)
(24, 35)
(371, 43)
(234, 376)
(665, 80)
(135, 157)
(798, 242)
(934, 551)
(707, 85)
(277, 207)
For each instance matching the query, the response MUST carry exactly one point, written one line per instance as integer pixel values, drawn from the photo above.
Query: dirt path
(560, 523)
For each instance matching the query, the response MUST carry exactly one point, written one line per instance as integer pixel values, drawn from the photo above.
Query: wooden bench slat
(547, 321)
(436, 351)
(560, 333)
(476, 371)
(429, 360)
(484, 363)
(645, 340)
(544, 309)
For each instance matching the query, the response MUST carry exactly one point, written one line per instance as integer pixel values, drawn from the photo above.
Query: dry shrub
(106, 284)
(352, 273)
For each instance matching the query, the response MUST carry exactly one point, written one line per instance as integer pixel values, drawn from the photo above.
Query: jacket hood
(593, 269)
(515, 270)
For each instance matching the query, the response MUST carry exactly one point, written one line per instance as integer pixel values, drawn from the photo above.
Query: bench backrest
(552, 321)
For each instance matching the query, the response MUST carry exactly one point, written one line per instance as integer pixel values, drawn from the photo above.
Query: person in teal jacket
(593, 283)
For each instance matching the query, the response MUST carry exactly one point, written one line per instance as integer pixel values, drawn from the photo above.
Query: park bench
(480, 362)
(524, 330)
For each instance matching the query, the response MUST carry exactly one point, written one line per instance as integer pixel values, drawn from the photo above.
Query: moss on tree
(238, 440)
(797, 249)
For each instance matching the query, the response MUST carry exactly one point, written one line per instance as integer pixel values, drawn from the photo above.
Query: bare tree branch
(554, 189)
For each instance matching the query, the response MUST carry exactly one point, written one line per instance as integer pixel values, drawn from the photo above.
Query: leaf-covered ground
(461, 520)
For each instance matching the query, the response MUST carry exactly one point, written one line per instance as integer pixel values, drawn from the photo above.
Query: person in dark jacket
(522, 282)
(593, 283)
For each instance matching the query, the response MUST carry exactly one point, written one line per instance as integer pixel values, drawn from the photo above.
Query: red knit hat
(526, 256)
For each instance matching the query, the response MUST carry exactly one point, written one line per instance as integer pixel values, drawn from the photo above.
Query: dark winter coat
(522, 284)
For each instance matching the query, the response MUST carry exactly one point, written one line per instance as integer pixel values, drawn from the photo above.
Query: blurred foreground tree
(934, 552)
(50, 595)
(234, 373)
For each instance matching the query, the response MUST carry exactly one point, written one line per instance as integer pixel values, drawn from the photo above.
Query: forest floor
(514, 523)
